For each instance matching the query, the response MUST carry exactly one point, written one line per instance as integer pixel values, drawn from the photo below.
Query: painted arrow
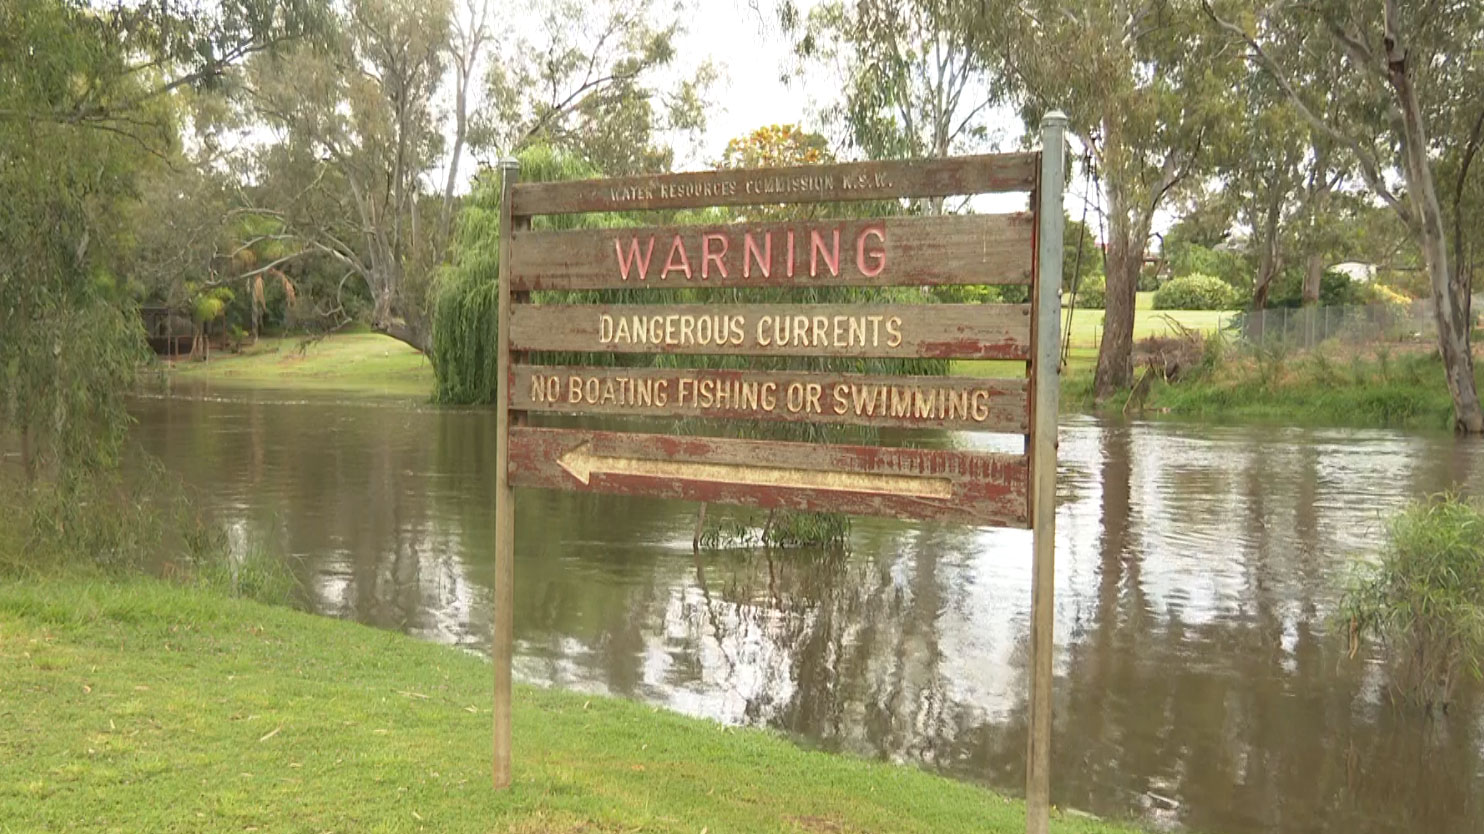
(945, 484)
(581, 464)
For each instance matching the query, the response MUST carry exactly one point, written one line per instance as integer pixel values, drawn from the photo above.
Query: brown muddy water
(1199, 685)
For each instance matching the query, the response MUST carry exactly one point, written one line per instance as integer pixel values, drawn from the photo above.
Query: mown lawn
(1086, 327)
(143, 706)
(362, 363)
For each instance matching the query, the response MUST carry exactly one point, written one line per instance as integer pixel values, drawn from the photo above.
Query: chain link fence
(1307, 327)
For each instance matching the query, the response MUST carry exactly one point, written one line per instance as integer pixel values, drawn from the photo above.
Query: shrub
(1424, 600)
(1195, 292)
(1374, 293)
(1092, 293)
(1336, 289)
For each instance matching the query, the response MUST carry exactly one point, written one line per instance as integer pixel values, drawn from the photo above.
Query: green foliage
(69, 337)
(105, 526)
(1092, 293)
(1081, 258)
(1185, 258)
(594, 85)
(916, 78)
(1336, 289)
(1424, 599)
(466, 295)
(1273, 386)
(781, 528)
(90, 103)
(1195, 292)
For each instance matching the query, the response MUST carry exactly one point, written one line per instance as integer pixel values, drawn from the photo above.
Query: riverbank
(365, 363)
(139, 705)
(1330, 386)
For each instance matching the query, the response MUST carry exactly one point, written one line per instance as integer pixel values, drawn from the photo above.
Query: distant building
(1356, 271)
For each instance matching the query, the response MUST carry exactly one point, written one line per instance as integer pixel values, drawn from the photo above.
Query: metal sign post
(955, 485)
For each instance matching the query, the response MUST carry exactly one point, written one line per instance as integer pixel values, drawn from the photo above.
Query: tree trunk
(1128, 235)
(1450, 290)
(409, 330)
(1313, 279)
(1268, 260)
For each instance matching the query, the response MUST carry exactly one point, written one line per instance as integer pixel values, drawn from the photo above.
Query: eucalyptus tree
(917, 80)
(1406, 105)
(1148, 92)
(591, 82)
(1283, 178)
(356, 135)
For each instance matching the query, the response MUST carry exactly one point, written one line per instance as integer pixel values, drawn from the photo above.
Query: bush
(1380, 294)
(1092, 293)
(1336, 289)
(1424, 600)
(1185, 259)
(1195, 292)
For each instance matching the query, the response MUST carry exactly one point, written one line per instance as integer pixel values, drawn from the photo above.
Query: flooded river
(1199, 684)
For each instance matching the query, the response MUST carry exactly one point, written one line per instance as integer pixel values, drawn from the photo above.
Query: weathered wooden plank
(897, 251)
(802, 184)
(502, 636)
(789, 396)
(1046, 369)
(938, 331)
(955, 485)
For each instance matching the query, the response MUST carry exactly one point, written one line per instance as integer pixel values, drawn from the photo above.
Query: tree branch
(1370, 168)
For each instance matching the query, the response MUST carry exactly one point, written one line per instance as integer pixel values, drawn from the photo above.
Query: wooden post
(502, 646)
(1046, 387)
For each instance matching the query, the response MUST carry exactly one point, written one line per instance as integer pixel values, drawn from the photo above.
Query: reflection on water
(1196, 567)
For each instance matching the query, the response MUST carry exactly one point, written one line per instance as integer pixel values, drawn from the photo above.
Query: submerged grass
(1424, 599)
(143, 706)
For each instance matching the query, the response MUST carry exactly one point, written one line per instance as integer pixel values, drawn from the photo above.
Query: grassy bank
(139, 705)
(351, 363)
(1331, 386)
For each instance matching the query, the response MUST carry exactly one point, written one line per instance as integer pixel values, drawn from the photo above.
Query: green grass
(366, 363)
(138, 705)
(1086, 327)
(1319, 388)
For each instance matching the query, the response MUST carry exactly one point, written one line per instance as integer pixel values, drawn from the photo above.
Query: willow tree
(1148, 91)
(86, 106)
(1406, 106)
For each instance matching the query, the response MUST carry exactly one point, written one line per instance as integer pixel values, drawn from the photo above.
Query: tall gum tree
(591, 81)
(1408, 107)
(917, 81)
(1148, 92)
(357, 136)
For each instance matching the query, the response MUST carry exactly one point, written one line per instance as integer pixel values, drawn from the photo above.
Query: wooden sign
(939, 402)
(851, 181)
(949, 485)
(553, 337)
(932, 331)
(895, 251)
